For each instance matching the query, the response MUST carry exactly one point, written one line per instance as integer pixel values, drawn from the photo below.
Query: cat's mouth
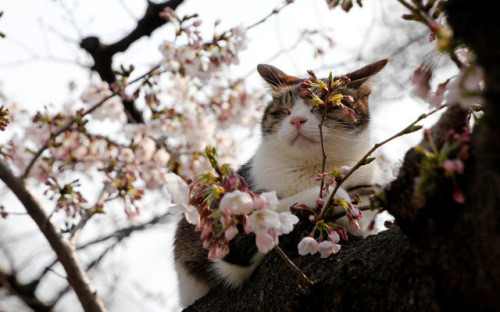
(301, 139)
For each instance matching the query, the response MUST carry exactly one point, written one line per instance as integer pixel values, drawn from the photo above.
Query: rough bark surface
(442, 257)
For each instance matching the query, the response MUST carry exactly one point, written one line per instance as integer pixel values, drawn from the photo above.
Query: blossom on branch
(308, 245)
(223, 201)
(179, 195)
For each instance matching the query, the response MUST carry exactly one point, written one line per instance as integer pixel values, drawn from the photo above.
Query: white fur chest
(282, 176)
(288, 175)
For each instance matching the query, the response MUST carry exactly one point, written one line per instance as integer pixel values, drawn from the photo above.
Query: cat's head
(290, 122)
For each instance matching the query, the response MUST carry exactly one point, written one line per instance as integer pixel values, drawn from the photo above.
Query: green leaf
(226, 170)
(414, 128)
(369, 160)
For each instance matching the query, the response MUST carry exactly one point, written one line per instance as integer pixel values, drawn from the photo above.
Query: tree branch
(65, 252)
(408, 129)
(72, 121)
(25, 292)
(102, 54)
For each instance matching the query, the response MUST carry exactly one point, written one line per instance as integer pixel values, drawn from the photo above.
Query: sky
(40, 58)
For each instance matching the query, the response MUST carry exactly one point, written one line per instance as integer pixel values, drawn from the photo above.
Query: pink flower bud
(206, 243)
(225, 219)
(302, 207)
(449, 166)
(348, 98)
(334, 237)
(354, 211)
(211, 253)
(319, 176)
(344, 170)
(458, 196)
(354, 224)
(231, 232)
(312, 74)
(346, 79)
(342, 232)
(459, 166)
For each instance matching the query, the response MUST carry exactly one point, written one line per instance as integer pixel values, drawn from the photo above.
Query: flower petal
(177, 188)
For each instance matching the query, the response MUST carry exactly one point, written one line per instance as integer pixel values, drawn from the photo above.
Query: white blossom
(308, 245)
(236, 202)
(265, 241)
(262, 220)
(288, 220)
(326, 248)
(179, 195)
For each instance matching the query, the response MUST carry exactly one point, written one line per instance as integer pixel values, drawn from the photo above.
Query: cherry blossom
(262, 220)
(266, 240)
(308, 245)
(287, 221)
(326, 248)
(179, 195)
(236, 202)
(467, 87)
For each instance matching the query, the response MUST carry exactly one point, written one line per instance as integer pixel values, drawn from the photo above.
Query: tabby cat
(287, 161)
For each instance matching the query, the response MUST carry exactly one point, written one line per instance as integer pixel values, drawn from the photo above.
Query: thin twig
(423, 17)
(70, 123)
(363, 159)
(428, 21)
(292, 266)
(125, 232)
(323, 162)
(273, 12)
(89, 212)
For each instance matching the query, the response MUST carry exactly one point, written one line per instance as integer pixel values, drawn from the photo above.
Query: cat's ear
(360, 76)
(275, 77)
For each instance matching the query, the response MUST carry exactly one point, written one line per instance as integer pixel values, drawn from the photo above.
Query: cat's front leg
(309, 197)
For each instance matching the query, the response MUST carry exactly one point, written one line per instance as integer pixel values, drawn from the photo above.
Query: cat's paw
(309, 198)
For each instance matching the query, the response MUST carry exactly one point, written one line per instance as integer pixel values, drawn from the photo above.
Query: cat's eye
(277, 112)
(314, 109)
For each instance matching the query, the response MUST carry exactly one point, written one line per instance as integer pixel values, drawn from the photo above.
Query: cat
(286, 161)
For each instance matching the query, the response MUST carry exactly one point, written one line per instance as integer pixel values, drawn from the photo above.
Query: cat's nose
(298, 121)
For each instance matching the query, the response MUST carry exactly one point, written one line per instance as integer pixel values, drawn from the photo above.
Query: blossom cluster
(430, 13)
(198, 58)
(346, 5)
(326, 93)
(326, 233)
(221, 206)
(195, 106)
(4, 119)
(68, 197)
(447, 162)
(465, 89)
